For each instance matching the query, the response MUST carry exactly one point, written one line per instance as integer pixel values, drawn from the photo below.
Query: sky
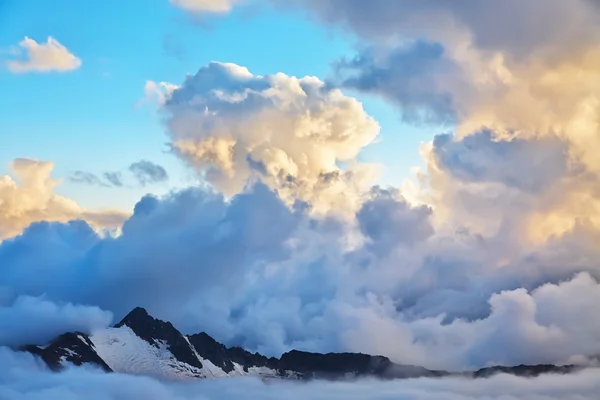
(91, 119)
(416, 179)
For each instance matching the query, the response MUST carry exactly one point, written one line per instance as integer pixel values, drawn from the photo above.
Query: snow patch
(125, 352)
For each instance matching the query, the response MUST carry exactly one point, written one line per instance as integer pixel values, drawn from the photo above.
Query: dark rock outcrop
(340, 365)
(209, 349)
(75, 348)
(154, 331)
(525, 370)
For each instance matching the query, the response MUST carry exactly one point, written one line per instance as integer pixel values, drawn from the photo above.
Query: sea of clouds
(24, 378)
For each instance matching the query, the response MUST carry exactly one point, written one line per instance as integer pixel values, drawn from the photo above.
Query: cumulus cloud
(274, 278)
(51, 56)
(23, 378)
(157, 92)
(291, 133)
(526, 68)
(147, 172)
(33, 199)
(494, 67)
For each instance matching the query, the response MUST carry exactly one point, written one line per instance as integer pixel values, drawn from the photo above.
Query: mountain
(141, 344)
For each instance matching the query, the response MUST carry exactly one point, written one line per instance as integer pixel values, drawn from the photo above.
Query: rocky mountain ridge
(141, 344)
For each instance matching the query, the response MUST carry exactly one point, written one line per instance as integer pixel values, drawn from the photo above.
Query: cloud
(291, 133)
(157, 92)
(51, 56)
(482, 22)
(114, 178)
(492, 64)
(86, 178)
(23, 378)
(519, 98)
(480, 158)
(147, 172)
(31, 320)
(410, 75)
(34, 200)
(274, 278)
(205, 6)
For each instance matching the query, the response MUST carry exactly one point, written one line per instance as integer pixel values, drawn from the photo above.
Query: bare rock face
(154, 331)
(75, 348)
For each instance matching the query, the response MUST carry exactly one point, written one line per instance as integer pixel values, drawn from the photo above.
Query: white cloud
(33, 199)
(43, 57)
(157, 92)
(291, 133)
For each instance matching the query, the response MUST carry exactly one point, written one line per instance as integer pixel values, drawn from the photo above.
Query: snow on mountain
(143, 345)
(125, 352)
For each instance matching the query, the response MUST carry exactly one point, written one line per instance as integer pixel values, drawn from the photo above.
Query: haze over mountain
(304, 181)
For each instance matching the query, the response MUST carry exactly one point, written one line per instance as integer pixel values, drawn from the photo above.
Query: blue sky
(87, 119)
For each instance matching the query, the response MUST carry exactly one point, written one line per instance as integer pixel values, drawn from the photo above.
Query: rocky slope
(141, 344)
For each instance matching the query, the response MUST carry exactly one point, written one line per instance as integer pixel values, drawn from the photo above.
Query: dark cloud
(515, 27)
(407, 75)
(531, 165)
(109, 179)
(87, 178)
(147, 172)
(114, 178)
(388, 222)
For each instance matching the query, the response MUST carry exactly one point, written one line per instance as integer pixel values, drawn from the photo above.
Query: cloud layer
(51, 56)
(274, 278)
(24, 379)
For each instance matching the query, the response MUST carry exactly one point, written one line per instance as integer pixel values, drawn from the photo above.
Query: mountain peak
(157, 333)
(135, 316)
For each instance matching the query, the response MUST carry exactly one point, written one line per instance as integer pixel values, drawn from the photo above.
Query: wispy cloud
(147, 172)
(115, 178)
(87, 178)
(144, 172)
